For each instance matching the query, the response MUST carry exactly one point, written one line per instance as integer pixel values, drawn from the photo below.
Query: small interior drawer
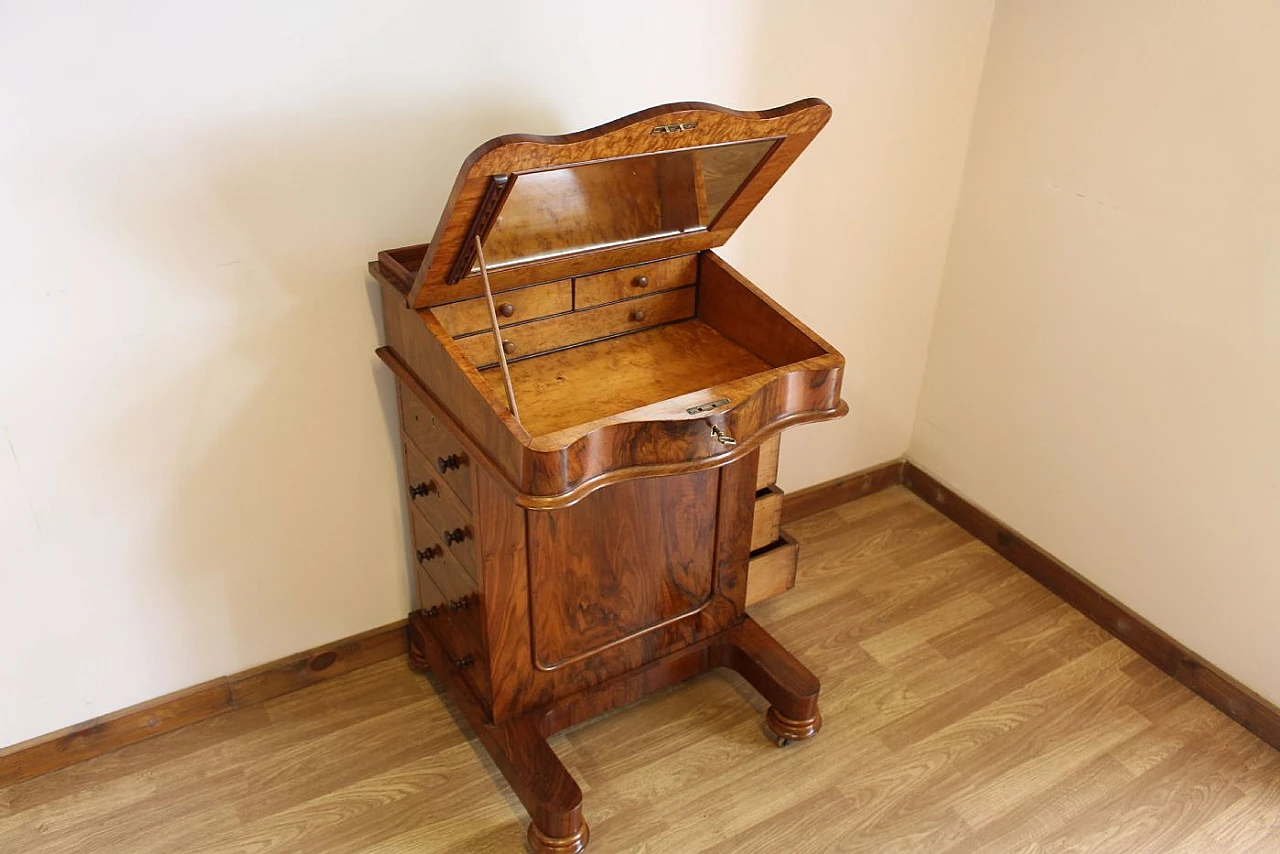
(772, 570)
(515, 306)
(767, 471)
(629, 282)
(442, 453)
(539, 336)
(767, 519)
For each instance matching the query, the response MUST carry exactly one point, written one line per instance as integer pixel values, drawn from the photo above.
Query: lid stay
(497, 331)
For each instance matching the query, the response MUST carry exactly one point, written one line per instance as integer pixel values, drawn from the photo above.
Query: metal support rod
(497, 332)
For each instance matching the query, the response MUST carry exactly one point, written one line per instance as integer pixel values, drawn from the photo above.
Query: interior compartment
(734, 333)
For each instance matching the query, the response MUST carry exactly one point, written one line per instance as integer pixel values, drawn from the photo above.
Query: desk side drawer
(565, 330)
(772, 570)
(451, 522)
(472, 315)
(767, 518)
(456, 624)
(767, 471)
(443, 453)
(629, 282)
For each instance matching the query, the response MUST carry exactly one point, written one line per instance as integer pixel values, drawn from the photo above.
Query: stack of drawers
(439, 472)
(540, 318)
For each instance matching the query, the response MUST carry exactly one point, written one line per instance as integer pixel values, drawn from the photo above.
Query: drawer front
(517, 306)
(539, 336)
(772, 570)
(434, 558)
(767, 519)
(443, 454)
(767, 472)
(635, 281)
(451, 524)
(456, 624)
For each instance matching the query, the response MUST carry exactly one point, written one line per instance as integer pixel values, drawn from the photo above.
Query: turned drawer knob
(429, 553)
(508, 346)
(640, 281)
(638, 315)
(506, 309)
(465, 661)
(459, 605)
(450, 462)
(457, 535)
(421, 490)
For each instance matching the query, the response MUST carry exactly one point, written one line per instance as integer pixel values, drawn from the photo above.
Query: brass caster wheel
(783, 741)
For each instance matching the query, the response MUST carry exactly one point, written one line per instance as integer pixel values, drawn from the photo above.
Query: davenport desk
(590, 404)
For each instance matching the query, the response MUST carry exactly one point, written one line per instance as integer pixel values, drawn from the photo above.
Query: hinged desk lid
(665, 181)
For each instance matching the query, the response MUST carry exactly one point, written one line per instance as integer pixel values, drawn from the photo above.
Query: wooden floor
(966, 710)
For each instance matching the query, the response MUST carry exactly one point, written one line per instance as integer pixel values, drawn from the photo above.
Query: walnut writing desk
(600, 539)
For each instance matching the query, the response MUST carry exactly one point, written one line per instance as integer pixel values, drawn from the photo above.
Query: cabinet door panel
(625, 559)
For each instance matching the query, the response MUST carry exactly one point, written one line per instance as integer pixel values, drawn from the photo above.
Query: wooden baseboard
(1235, 700)
(833, 493)
(164, 714)
(83, 741)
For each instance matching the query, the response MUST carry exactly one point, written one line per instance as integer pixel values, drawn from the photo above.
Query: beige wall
(1104, 373)
(198, 470)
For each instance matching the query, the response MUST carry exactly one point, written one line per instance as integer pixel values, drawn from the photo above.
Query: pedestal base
(519, 745)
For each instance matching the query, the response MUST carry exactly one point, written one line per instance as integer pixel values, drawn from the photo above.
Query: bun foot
(543, 844)
(787, 730)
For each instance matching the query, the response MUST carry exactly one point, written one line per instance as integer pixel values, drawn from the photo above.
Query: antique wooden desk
(592, 528)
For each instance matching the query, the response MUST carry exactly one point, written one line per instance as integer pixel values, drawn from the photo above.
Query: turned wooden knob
(508, 347)
(638, 315)
(421, 490)
(640, 281)
(506, 309)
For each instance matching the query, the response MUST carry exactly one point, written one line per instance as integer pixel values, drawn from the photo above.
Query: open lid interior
(665, 181)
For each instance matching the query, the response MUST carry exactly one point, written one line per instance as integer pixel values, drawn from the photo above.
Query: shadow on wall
(285, 527)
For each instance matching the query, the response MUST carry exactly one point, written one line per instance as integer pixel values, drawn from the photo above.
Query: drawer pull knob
(722, 437)
(508, 346)
(460, 604)
(429, 553)
(433, 611)
(450, 462)
(640, 281)
(638, 315)
(506, 309)
(457, 535)
(422, 490)
(466, 661)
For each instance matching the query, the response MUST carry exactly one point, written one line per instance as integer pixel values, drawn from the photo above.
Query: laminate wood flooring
(966, 710)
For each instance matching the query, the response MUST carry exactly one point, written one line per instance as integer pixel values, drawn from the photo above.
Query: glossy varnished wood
(967, 710)
(794, 124)
(591, 383)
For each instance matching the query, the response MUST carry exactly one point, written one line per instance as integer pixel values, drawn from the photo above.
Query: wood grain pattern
(620, 562)
(767, 472)
(941, 747)
(529, 339)
(518, 306)
(630, 282)
(1231, 697)
(766, 517)
(796, 124)
(661, 437)
(772, 569)
(74, 744)
(839, 490)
